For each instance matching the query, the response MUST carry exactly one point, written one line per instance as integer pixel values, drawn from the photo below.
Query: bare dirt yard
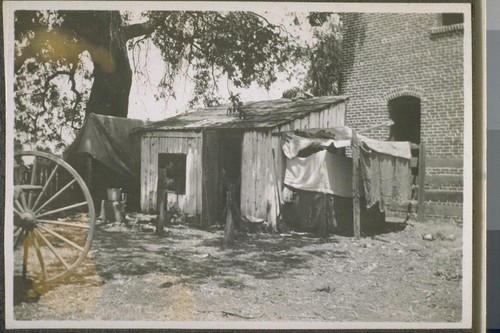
(132, 274)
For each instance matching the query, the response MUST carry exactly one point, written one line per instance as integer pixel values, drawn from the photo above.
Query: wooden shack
(200, 155)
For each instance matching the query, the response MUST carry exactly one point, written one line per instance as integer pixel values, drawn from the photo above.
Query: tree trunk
(112, 73)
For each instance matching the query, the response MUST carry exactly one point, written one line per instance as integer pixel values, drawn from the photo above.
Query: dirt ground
(187, 274)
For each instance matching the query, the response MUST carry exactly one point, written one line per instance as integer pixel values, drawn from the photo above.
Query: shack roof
(261, 114)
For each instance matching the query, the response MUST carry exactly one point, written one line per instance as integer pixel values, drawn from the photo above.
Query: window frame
(179, 172)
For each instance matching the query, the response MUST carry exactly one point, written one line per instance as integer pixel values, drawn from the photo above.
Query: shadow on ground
(263, 256)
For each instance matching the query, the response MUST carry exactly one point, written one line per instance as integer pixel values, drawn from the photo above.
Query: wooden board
(190, 202)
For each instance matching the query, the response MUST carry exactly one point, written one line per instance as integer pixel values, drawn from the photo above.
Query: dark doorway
(230, 146)
(405, 113)
(221, 173)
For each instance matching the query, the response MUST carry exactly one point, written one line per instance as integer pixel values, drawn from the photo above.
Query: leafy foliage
(317, 19)
(52, 82)
(71, 63)
(321, 55)
(324, 74)
(241, 46)
(45, 113)
(206, 46)
(236, 106)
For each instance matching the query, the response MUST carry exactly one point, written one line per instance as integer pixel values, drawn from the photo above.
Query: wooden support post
(229, 228)
(103, 216)
(160, 222)
(421, 184)
(112, 211)
(117, 210)
(278, 221)
(355, 185)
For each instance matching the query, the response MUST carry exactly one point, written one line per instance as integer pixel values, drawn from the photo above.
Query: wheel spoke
(17, 212)
(18, 204)
(40, 257)
(64, 239)
(58, 243)
(23, 200)
(62, 209)
(26, 247)
(49, 245)
(55, 195)
(33, 177)
(19, 239)
(67, 224)
(46, 186)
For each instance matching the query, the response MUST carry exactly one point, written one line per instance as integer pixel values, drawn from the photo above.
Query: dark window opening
(172, 172)
(405, 113)
(449, 19)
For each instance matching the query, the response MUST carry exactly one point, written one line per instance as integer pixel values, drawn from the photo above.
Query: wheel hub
(28, 220)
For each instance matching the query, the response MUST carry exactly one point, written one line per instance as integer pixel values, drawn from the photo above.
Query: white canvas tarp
(323, 172)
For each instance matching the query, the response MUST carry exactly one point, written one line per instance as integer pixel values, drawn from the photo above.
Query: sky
(143, 104)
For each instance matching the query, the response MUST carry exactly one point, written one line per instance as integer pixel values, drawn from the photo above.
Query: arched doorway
(405, 113)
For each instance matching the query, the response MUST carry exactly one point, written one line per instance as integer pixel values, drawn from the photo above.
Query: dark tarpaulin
(115, 151)
(311, 212)
(323, 214)
(108, 139)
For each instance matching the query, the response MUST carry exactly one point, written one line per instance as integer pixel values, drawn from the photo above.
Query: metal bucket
(114, 194)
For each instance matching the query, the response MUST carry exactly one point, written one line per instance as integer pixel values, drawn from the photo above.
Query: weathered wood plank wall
(331, 117)
(188, 143)
(258, 184)
(258, 189)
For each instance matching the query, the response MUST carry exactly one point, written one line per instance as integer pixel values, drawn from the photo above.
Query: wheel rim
(54, 217)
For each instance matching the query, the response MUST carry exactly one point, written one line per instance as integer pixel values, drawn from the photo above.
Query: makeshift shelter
(197, 157)
(107, 155)
(317, 163)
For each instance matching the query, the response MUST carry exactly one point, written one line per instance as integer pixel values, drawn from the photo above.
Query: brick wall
(392, 55)
(388, 55)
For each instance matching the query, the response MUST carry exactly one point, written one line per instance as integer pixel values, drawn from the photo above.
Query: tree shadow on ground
(264, 256)
(261, 256)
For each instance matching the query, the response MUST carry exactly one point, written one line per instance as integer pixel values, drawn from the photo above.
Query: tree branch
(71, 74)
(140, 29)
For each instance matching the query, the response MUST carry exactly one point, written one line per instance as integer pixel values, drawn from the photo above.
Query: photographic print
(238, 165)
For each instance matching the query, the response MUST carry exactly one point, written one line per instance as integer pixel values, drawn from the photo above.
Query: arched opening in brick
(405, 113)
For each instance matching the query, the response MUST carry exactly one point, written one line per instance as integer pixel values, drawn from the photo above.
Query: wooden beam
(355, 185)
(421, 184)
(384, 124)
(173, 134)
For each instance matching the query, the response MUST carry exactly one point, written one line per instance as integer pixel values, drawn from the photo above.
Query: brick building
(409, 68)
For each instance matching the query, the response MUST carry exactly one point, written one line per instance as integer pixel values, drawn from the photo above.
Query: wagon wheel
(54, 217)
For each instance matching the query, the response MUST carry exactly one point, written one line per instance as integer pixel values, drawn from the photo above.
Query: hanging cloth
(386, 178)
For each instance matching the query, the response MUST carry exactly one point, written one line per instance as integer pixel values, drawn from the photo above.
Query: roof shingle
(261, 114)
